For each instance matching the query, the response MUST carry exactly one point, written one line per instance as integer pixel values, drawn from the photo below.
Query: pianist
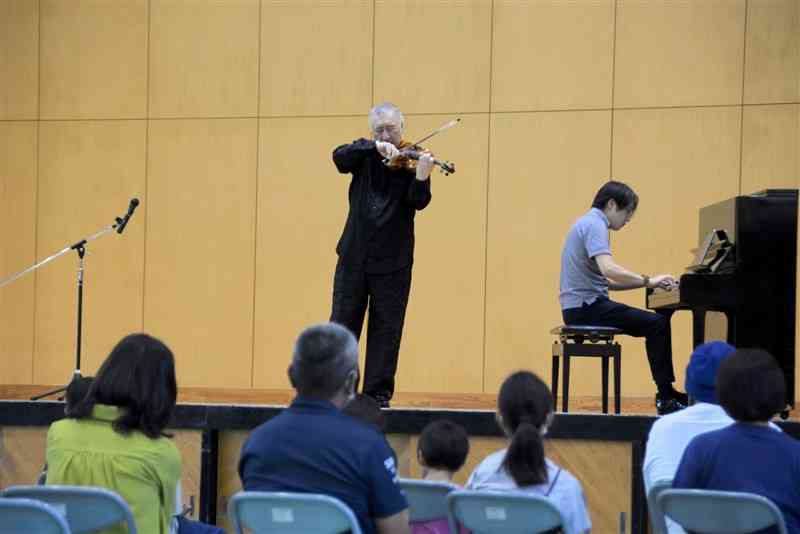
(588, 272)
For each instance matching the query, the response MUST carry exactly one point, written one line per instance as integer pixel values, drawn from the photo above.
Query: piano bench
(586, 341)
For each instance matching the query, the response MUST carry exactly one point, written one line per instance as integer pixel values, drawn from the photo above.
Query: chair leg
(617, 379)
(554, 381)
(565, 390)
(605, 383)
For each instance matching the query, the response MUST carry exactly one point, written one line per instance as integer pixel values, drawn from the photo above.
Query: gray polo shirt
(581, 279)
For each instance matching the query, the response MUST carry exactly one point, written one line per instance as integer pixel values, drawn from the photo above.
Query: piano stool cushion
(592, 332)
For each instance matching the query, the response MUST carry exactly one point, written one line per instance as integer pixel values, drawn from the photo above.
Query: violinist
(376, 249)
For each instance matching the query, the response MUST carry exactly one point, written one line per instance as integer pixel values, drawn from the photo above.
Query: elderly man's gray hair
(383, 109)
(324, 355)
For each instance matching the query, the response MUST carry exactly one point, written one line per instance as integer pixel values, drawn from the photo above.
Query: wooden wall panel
(677, 160)
(22, 455)
(537, 188)
(204, 58)
(445, 67)
(316, 58)
(189, 443)
(552, 55)
(18, 172)
(443, 334)
(772, 65)
(228, 482)
(88, 172)
(19, 59)
(93, 59)
(302, 208)
(679, 53)
(201, 188)
(770, 159)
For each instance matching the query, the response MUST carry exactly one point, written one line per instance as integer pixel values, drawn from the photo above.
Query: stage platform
(605, 452)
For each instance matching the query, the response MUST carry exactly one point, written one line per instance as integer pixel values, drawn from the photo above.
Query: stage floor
(446, 401)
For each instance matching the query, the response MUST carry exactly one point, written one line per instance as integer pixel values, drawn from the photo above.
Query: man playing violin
(376, 249)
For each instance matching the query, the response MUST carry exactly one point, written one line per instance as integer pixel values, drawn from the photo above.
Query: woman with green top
(115, 437)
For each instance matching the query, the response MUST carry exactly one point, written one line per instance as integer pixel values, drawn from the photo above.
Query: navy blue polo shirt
(745, 457)
(312, 447)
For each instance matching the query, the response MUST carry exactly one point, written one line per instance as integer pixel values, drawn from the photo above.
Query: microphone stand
(80, 248)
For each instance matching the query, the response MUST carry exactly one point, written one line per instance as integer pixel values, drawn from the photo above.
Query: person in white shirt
(524, 411)
(671, 433)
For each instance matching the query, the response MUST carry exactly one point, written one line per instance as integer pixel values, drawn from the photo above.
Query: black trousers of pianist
(654, 327)
(386, 294)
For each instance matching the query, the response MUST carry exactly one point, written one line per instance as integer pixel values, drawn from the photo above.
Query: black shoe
(381, 398)
(668, 404)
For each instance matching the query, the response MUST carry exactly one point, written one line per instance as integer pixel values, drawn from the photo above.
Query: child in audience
(524, 411)
(750, 455)
(442, 450)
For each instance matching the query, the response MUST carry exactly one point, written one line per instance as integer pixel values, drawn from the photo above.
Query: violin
(411, 152)
(409, 157)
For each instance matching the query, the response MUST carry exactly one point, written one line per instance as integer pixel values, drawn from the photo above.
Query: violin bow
(438, 130)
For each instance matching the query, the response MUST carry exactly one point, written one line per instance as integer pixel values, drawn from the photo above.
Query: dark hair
(525, 403)
(751, 386)
(443, 445)
(366, 409)
(324, 355)
(620, 193)
(138, 377)
(76, 391)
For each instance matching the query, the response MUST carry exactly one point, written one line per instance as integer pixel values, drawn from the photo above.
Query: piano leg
(698, 327)
(731, 334)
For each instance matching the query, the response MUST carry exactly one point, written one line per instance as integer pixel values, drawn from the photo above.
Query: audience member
(312, 447)
(671, 433)
(114, 437)
(749, 455)
(442, 450)
(525, 409)
(365, 408)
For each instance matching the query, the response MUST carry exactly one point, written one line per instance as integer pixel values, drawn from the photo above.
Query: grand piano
(754, 282)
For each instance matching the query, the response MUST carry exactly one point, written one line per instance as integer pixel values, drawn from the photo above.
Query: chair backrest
(85, 508)
(720, 511)
(657, 522)
(426, 500)
(28, 516)
(290, 513)
(485, 512)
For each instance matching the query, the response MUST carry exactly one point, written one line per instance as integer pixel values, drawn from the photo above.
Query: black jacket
(379, 233)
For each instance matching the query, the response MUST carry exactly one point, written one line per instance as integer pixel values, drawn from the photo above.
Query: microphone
(121, 223)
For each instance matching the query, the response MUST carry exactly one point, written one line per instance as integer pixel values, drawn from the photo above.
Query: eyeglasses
(390, 129)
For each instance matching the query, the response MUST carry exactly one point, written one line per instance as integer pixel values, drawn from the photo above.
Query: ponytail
(525, 404)
(524, 459)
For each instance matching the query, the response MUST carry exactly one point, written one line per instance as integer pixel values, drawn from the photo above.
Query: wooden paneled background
(221, 117)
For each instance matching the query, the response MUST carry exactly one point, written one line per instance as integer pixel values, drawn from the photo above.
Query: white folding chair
(485, 512)
(290, 513)
(86, 508)
(720, 512)
(28, 516)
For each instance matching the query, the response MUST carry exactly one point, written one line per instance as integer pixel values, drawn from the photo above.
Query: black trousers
(655, 328)
(386, 296)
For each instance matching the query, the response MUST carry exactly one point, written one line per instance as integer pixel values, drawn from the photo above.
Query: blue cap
(701, 373)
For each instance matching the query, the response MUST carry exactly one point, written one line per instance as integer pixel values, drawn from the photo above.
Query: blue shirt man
(312, 447)
(746, 457)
